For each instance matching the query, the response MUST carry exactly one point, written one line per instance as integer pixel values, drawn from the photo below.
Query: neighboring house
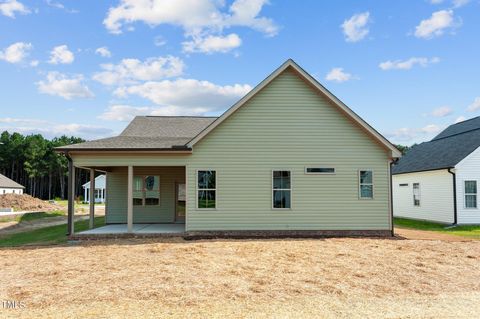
(438, 180)
(8, 186)
(99, 190)
(288, 158)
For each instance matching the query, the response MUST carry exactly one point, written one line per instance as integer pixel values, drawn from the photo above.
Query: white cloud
(59, 5)
(21, 121)
(16, 52)
(355, 28)
(199, 19)
(475, 105)
(407, 64)
(10, 7)
(67, 87)
(460, 3)
(436, 1)
(34, 63)
(413, 135)
(442, 111)
(61, 55)
(211, 43)
(159, 41)
(460, 119)
(129, 71)
(187, 93)
(436, 25)
(126, 113)
(338, 75)
(104, 52)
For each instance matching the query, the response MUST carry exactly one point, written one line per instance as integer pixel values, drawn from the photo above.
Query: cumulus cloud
(407, 64)
(59, 84)
(338, 75)
(436, 25)
(460, 119)
(187, 93)
(10, 7)
(104, 52)
(356, 28)
(126, 113)
(129, 71)
(202, 21)
(211, 43)
(16, 52)
(412, 135)
(475, 106)
(442, 111)
(61, 55)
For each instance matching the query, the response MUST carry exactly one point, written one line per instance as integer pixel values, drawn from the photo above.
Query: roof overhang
(394, 152)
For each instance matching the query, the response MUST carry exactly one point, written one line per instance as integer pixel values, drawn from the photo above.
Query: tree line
(32, 162)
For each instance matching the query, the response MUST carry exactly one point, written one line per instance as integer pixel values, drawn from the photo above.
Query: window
(416, 194)
(403, 185)
(282, 189)
(366, 184)
(319, 170)
(470, 194)
(146, 190)
(206, 189)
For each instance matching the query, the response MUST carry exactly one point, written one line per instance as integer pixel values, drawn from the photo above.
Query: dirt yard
(331, 278)
(26, 202)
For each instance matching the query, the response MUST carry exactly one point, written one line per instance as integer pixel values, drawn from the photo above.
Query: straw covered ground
(171, 278)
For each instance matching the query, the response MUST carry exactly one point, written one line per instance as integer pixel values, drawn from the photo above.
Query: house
(289, 158)
(438, 180)
(99, 190)
(8, 186)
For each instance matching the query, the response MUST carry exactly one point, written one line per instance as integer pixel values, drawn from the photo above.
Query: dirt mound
(26, 202)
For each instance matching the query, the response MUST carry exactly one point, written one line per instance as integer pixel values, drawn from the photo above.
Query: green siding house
(289, 158)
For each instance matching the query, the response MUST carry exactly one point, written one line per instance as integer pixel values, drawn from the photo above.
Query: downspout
(392, 162)
(454, 196)
(70, 195)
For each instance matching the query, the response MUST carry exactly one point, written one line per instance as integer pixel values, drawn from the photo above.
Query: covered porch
(142, 200)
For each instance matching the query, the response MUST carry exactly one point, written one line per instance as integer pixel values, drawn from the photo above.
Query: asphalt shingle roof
(150, 132)
(444, 151)
(6, 182)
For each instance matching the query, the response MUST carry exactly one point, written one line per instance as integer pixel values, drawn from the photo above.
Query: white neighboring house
(99, 190)
(439, 180)
(8, 186)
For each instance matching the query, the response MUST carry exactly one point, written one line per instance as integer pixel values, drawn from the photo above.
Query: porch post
(130, 199)
(92, 198)
(71, 197)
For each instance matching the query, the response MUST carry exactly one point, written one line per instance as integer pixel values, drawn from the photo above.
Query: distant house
(8, 186)
(438, 180)
(99, 190)
(289, 159)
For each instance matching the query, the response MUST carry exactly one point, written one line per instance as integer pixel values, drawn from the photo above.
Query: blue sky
(85, 68)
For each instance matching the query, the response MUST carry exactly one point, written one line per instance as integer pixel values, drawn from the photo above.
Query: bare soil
(26, 202)
(173, 278)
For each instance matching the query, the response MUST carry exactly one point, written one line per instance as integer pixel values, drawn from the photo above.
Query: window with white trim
(207, 189)
(416, 194)
(281, 190)
(319, 170)
(146, 190)
(470, 194)
(365, 181)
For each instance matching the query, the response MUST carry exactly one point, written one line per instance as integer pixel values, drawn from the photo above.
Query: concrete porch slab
(138, 229)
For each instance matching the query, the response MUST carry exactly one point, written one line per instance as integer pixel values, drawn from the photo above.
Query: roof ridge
(179, 116)
(441, 138)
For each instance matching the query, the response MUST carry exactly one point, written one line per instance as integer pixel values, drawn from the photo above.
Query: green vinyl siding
(116, 208)
(286, 126)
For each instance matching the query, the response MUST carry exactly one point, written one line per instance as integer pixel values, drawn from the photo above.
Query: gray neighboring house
(8, 186)
(438, 180)
(289, 158)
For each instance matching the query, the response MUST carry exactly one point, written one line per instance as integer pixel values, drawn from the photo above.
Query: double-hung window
(146, 190)
(470, 194)
(282, 190)
(365, 179)
(207, 189)
(416, 194)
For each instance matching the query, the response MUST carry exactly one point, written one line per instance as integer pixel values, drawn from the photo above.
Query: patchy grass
(470, 231)
(32, 216)
(47, 235)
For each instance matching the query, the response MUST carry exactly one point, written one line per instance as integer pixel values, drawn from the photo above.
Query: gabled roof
(149, 133)
(444, 151)
(6, 182)
(321, 89)
(99, 181)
